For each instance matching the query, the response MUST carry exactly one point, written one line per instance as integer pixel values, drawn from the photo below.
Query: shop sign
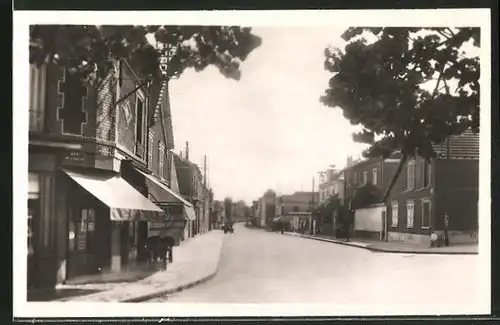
(74, 156)
(104, 151)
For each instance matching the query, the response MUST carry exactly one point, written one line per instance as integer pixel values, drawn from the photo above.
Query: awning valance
(159, 183)
(189, 213)
(124, 201)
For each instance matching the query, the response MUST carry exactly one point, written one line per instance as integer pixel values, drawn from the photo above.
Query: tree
(381, 86)
(155, 52)
(366, 195)
(228, 207)
(90, 50)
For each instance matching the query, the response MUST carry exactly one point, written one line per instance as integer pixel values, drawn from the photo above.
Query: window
(426, 213)
(37, 77)
(33, 207)
(410, 213)
(374, 176)
(410, 179)
(161, 159)
(151, 144)
(426, 175)
(84, 229)
(395, 214)
(140, 126)
(133, 232)
(365, 177)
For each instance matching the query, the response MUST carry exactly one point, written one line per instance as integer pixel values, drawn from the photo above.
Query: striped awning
(124, 201)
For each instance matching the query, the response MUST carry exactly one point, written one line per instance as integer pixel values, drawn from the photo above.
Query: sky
(268, 130)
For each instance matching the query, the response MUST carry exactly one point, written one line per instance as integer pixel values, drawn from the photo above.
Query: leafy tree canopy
(91, 50)
(384, 86)
(366, 195)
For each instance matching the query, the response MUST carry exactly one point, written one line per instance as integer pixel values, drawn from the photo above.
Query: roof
(163, 102)
(462, 146)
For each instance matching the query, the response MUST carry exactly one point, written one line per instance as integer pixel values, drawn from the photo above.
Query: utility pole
(204, 192)
(313, 223)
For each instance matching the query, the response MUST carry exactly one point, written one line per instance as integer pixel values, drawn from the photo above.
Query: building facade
(426, 191)
(193, 188)
(88, 207)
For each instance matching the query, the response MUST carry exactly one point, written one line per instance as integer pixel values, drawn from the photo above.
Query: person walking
(446, 227)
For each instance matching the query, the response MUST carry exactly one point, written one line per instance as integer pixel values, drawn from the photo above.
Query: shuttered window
(161, 159)
(395, 214)
(37, 79)
(410, 180)
(410, 213)
(426, 213)
(150, 148)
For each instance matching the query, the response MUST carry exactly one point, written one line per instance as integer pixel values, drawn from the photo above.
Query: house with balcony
(97, 180)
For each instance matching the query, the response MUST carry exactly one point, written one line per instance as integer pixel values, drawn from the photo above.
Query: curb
(172, 290)
(383, 250)
(180, 288)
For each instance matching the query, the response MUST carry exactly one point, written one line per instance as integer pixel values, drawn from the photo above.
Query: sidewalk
(195, 261)
(395, 247)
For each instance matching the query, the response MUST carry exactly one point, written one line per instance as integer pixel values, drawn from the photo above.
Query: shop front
(178, 215)
(103, 213)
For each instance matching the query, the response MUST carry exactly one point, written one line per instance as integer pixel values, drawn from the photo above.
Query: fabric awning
(124, 201)
(189, 213)
(155, 180)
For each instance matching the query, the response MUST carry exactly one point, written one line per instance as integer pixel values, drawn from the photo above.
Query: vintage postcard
(272, 163)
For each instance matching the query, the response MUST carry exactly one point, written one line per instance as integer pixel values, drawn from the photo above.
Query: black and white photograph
(287, 163)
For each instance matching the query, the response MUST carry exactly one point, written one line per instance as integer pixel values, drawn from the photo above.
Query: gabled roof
(160, 88)
(462, 146)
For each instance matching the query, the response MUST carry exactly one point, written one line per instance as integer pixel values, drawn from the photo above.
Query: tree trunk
(402, 162)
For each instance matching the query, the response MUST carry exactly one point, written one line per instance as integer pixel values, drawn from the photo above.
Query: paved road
(262, 267)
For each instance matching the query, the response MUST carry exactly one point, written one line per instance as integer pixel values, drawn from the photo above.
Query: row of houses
(103, 174)
(422, 195)
(293, 211)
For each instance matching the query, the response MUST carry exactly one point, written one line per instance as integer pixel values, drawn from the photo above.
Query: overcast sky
(268, 130)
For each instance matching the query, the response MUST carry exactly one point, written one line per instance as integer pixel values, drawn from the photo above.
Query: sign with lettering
(104, 150)
(75, 156)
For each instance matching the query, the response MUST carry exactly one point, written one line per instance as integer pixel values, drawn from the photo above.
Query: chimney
(349, 161)
(205, 171)
(187, 150)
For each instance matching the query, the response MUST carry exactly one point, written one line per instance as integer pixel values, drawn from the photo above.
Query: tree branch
(133, 91)
(402, 162)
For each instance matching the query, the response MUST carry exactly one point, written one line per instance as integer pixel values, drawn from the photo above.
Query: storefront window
(85, 228)
(33, 208)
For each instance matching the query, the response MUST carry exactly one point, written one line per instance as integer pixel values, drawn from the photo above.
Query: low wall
(461, 237)
(368, 222)
(416, 239)
(455, 237)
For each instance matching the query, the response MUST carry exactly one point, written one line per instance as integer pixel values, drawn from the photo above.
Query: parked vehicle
(228, 227)
(158, 248)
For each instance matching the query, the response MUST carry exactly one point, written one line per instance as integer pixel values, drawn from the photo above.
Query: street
(263, 267)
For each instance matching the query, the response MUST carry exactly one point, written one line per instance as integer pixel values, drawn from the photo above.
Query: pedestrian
(348, 227)
(446, 226)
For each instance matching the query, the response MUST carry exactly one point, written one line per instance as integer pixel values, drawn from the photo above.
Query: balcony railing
(37, 120)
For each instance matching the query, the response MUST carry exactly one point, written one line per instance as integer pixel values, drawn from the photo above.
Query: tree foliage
(381, 85)
(90, 50)
(366, 195)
